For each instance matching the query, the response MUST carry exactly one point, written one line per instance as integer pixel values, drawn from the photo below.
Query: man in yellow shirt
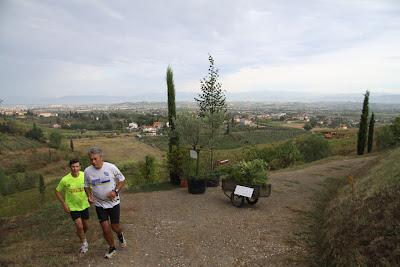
(75, 201)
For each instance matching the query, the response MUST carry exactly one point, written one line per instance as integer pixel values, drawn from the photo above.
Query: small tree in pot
(191, 129)
(212, 107)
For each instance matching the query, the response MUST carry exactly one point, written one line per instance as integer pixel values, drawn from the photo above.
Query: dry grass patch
(120, 148)
(360, 226)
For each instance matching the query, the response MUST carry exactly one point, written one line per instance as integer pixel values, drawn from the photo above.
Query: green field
(10, 143)
(256, 137)
(239, 137)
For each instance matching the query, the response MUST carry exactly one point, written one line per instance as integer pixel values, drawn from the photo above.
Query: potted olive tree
(191, 131)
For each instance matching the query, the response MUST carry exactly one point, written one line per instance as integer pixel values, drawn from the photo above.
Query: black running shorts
(105, 214)
(84, 214)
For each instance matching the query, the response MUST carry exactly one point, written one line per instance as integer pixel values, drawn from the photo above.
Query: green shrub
(395, 127)
(131, 173)
(11, 127)
(140, 173)
(313, 147)
(55, 140)
(287, 154)
(16, 182)
(385, 138)
(277, 156)
(35, 133)
(249, 172)
(149, 169)
(389, 136)
(180, 162)
(6, 184)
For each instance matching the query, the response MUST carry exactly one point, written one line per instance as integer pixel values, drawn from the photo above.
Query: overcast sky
(88, 47)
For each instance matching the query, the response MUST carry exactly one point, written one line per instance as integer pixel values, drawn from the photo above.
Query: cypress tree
(42, 189)
(362, 130)
(371, 133)
(71, 145)
(173, 136)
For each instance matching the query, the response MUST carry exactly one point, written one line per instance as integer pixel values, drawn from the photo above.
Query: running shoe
(122, 240)
(84, 248)
(111, 252)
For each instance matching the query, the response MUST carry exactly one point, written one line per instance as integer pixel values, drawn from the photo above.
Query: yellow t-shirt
(75, 195)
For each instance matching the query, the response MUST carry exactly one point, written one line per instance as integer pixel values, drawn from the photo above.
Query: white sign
(193, 154)
(244, 191)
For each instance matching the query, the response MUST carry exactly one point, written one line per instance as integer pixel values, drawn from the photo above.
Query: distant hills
(259, 96)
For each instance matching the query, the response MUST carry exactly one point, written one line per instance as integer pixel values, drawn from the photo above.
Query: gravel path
(175, 228)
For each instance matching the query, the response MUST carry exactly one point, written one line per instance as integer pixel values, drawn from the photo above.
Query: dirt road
(174, 228)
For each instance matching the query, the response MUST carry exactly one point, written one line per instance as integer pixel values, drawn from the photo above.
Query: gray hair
(95, 150)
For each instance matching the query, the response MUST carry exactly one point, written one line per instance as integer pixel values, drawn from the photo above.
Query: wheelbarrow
(238, 193)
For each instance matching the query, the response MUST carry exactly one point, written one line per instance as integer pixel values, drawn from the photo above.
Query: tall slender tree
(371, 133)
(362, 130)
(42, 189)
(173, 135)
(212, 103)
(71, 145)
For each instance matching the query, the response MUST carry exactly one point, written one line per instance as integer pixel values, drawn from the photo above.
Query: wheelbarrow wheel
(237, 200)
(252, 200)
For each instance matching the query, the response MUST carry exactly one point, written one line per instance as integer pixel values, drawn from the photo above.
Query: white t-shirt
(103, 181)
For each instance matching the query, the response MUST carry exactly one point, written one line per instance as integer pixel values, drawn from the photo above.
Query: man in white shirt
(103, 181)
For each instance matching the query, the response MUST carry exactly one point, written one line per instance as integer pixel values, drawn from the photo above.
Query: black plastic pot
(196, 186)
(213, 182)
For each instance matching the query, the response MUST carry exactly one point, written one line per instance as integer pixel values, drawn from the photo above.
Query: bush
(148, 169)
(385, 138)
(395, 127)
(249, 172)
(55, 140)
(307, 126)
(132, 174)
(277, 157)
(389, 136)
(11, 127)
(287, 154)
(141, 173)
(16, 182)
(179, 161)
(5, 184)
(35, 133)
(313, 147)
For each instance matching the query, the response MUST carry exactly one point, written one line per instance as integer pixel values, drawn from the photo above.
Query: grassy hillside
(12, 143)
(55, 165)
(119, 149)
(26, 201)
(43, 238)
(359, 224)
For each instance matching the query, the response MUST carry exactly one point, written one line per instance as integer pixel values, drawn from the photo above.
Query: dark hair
(73, 161)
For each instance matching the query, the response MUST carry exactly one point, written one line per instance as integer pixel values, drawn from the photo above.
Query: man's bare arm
(61, 199)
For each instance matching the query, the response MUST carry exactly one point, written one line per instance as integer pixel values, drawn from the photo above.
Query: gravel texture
(175, 228)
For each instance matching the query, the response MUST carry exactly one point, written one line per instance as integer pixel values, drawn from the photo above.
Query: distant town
(337, 115)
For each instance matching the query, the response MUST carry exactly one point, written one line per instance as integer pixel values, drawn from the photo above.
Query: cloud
(368, 65)
(98, 47)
